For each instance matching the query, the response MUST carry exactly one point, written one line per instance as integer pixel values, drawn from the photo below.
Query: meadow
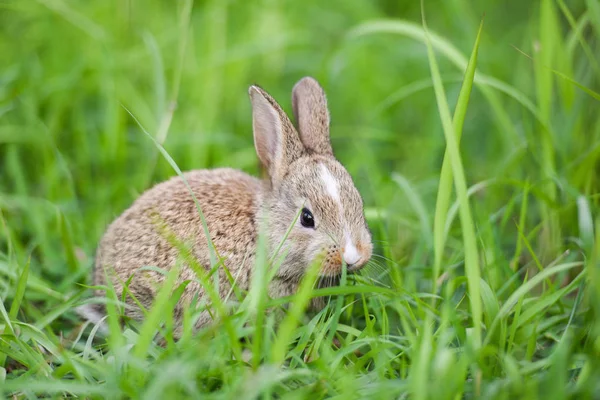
(474, 140)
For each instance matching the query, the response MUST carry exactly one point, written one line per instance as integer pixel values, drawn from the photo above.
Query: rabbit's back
(139, 237)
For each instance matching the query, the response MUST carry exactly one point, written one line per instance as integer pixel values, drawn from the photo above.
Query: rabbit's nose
(351, 255)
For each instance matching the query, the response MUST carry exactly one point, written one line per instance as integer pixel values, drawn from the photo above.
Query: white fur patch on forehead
(331, 184)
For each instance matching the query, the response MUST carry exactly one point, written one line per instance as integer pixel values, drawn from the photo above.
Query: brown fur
(235, 204)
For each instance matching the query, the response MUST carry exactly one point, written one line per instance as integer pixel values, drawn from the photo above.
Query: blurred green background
(72, 158)
(70, 68)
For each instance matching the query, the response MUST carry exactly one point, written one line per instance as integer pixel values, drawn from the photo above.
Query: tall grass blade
(544, 94)
(445, 185)
(467, 224)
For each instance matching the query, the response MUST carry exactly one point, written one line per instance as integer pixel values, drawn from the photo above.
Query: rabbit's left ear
(312, 116)
(275, 138)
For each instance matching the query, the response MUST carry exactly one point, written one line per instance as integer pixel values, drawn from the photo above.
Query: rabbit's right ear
(275, 138)
(312, 116)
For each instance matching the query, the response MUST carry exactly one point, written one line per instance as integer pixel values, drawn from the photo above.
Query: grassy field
(485, 281)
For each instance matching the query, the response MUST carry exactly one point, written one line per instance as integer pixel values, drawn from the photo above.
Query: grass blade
(67, 242)
(20, 291)
(173, 164)
(526, 287)
(301, 299)
(445, 184)
(416, 32)
(417, 204)
(159, 309)
(467, 224)
(16, 304)
(595, 95)
(594, 10)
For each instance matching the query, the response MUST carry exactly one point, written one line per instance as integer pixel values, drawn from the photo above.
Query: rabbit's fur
(302, 173)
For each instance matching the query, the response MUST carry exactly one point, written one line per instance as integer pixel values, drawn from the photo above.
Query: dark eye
(306, 219)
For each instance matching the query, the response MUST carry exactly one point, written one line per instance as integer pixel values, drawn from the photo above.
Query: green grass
(475, 144)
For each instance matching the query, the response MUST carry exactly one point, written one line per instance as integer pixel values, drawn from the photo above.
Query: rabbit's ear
(276, 141)
(312, 116)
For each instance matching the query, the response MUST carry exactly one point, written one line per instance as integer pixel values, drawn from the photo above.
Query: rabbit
(307, 191)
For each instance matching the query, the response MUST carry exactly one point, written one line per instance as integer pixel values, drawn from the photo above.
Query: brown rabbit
(305, 180)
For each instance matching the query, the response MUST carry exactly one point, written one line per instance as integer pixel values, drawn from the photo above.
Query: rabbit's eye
(306, 219)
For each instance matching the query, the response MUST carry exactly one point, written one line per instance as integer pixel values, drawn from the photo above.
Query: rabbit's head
(311, 194)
